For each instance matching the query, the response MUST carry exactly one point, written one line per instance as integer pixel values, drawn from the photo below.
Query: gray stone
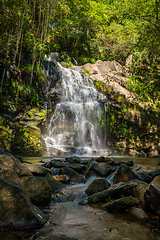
(124, 174)
(74, 176)
(37, 170)
(37, 189)
(14, 164)
(153, 194)
(114, 192)
(16, 211)
(98, 185)
(120, 205)
(55, 185)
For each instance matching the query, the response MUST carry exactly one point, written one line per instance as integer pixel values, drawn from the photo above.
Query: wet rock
(14, 164)
(129, 163)
(89, 171)
(74, 176)
(98, 185)
(120, 205)
(37, 170)
(114, 192)
(46, 164)
(74, 159)
(57, 163)
(10, 175)
(16, 211)
(80, 168)
(138, 213)
(153, 194)
(148, 176)
(55, 185)
(58, 237)
(100, 159)
(37, 189)
(103, 168)
(124, 174)
(139, 192)
(56, 171)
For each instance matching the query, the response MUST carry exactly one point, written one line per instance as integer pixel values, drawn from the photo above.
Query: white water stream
(74, 127)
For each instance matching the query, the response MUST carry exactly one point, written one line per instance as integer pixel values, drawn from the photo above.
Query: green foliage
(147, 87)
(26, 142)
(102, 87)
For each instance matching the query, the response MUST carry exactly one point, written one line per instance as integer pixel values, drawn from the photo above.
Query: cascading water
(74, 127)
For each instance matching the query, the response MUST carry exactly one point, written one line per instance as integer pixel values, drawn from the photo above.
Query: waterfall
(74, 127)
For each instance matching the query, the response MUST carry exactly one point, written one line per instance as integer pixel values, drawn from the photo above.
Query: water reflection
(90, 222)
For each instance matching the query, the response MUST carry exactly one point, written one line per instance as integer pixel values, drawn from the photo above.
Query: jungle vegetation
(87, 30)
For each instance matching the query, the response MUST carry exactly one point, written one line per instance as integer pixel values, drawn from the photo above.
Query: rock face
(15, 208)
(124, 174)
(37, 189)
(153, 194)
(98, 185)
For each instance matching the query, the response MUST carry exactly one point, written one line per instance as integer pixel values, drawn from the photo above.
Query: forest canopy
(87, 30)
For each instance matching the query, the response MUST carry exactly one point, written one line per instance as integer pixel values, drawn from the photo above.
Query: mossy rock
(55, 185)
(16, 210)
(121, 204)
(27, 141)
(5, 134)
(98, 185)
(37, 189)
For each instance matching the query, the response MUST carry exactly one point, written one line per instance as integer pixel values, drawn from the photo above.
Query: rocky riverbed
(75, 198)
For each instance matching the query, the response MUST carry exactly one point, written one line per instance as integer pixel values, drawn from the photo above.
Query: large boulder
(37, 189)
(100, 168)
(37, 170)
(55, 185)
(114, 192)
(139, 192)
(98, 185)
(13, 163)
(80, 168)
(10, 175)
(153, 194)
(74, 159)
(74, 176)
(58, 163)
(91, 68)
(148, 176)
(120, 205)
(124, 174)
(16, 211)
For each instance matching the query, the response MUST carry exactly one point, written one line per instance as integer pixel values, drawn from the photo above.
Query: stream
(86, 222)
